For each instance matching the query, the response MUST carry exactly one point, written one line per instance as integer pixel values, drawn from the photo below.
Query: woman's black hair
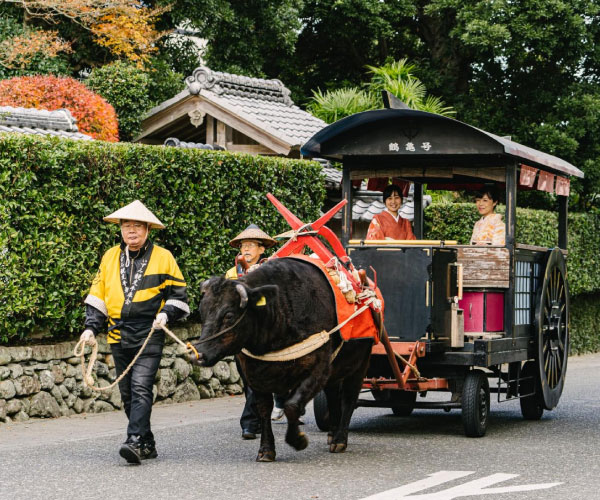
(491, 190)
(392, 188)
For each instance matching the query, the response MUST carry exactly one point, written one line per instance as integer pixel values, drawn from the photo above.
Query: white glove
(88, 337)
(160, 321)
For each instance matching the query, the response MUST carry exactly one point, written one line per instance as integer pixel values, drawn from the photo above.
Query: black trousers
(136, 386)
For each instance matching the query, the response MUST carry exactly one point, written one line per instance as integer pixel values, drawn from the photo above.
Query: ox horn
(243, 294)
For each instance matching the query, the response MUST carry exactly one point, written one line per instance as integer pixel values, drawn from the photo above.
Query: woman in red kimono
(388, 224)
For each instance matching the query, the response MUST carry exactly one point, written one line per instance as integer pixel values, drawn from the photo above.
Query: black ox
(278, 305)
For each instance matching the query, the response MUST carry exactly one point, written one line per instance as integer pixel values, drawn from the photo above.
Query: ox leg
(334, 405)
(351, 386)
(294, 408)
(264, 405)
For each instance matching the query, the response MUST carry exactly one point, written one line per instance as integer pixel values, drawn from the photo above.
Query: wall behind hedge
(54, 193)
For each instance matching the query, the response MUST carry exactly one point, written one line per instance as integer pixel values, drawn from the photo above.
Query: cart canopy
(424, 147)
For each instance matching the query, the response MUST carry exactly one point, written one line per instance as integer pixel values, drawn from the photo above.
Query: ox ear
(263, 295)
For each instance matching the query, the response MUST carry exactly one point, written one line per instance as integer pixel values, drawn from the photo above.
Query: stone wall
(46, 381)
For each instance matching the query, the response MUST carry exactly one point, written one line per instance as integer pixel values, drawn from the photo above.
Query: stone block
(20, 354)
(7, 389)
(56, 394)
(71, 371)
(201, 374)
(78, 405)
(166, 383)
(110, 361)
(215, 384)
(101, 369)
(64, 392)
(115, 398)
(27, 385)
(221, 371)
(181, 368)
(234, 374)
(187, 391)
(20, 417)
(58, 373)
(5, 356)
(64, 350)
(102, 407)
(70, 400)
(70, 383)
(13, 406)
(46, 380)
(166, 362)
(3, 410)
(15, 370)
(74, 361)
(206, 392)
(4, 372)
(44, 405)
(233, 389)
(43, 352)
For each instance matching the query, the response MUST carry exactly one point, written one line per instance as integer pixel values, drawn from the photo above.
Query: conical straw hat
(135, 211)
(253, 232)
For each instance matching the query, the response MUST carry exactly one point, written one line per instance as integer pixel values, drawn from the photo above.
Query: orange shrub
(94, 115)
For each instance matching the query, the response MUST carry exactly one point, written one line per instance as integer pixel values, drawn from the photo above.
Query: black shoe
(148, 450)
(131, 450)
(248, 434)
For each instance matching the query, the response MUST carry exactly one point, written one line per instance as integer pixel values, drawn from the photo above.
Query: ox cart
(456, 315)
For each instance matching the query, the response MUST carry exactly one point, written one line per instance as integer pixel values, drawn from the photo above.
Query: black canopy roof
(387, 138)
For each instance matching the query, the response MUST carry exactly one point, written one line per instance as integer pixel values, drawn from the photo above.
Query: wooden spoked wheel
(552, 328)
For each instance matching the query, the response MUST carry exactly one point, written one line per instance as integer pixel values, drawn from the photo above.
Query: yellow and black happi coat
(130, 288)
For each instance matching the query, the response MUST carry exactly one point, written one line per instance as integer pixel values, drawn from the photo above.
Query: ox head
(231, 312)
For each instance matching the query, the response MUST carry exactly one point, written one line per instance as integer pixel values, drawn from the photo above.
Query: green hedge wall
(54, 193)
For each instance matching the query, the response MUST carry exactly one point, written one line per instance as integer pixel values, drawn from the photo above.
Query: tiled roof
(59, 123)
(264, 103)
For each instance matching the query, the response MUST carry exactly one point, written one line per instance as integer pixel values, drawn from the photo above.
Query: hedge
(54, 193)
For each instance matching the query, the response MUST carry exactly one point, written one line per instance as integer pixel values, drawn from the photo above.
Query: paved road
(202, 455)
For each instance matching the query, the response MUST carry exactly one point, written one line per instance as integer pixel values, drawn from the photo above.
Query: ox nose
(195, 360)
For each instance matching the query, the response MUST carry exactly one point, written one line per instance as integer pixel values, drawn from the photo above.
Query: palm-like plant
(395, 77)
(334, 105)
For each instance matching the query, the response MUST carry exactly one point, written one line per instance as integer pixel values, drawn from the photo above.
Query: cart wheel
(475, 403)
(552, 328)
(532, 406)
(406, 399)
(321, 411)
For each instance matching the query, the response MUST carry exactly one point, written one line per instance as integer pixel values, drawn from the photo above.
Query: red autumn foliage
(94, 115)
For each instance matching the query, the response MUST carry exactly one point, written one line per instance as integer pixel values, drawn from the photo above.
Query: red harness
(362, 326)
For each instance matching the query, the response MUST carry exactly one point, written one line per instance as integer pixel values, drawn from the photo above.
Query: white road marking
(471, 488)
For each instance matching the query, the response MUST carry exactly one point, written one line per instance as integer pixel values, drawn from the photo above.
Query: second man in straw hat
(137, 288)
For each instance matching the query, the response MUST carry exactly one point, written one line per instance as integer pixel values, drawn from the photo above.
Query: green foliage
(585, 311)
(395, 77)
(336, 104)
(39, 65)
(54, 193)
(126, 87)
(163, 83)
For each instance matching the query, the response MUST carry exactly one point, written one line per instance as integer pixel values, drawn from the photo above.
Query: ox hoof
(265, 456)
(330, 438)
(337, 447)
(299, 442)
